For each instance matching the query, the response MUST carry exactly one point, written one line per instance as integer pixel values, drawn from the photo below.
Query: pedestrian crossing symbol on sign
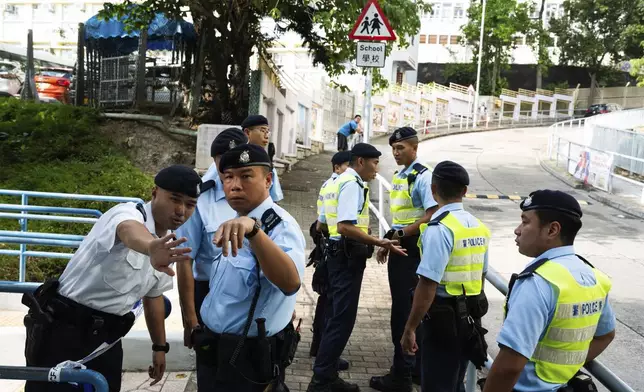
(372, 25)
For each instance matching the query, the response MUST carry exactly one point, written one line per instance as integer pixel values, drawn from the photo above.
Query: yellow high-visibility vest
(564, 347)
(331, 201)
(323, 191)
(464, 269)
(402, 209)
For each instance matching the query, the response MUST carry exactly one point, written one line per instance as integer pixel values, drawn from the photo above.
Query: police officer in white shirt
(125, 257)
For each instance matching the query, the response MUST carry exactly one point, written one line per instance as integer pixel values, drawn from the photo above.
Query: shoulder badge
(244, 157)
(270, 220)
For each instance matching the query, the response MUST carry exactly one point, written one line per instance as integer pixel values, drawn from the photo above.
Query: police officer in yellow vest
(346, 214)
(557, 312)
(454, 253)
(411, 204)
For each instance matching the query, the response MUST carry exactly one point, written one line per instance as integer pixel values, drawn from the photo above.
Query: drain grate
(485, 208)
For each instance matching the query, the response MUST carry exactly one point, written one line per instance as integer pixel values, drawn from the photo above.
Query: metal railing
(58, 375)
(25, 212)
(599, 371)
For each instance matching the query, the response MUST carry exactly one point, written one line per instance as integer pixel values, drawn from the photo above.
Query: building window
(442, 40)
(436, 10)
(432, 39)
(399, 77)
(459, 11)
(551, 11)
(447, 11)
(518, 41)
(454, 39)
(423, 39)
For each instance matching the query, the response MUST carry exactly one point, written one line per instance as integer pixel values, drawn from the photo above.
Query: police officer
(247, 312)
(411, 204)
(113, 268)
(346, 215)
(256, 128)
(558, 317)
(340, 163)
(454, 252)
(212, 210)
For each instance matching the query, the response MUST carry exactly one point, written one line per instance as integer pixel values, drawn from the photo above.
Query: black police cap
(365, 150)
(452, 171)
(254, 120)
(341, 157)
(546, 199)
(227, 139)
(401, 134)
(179, 179)
(243, 156)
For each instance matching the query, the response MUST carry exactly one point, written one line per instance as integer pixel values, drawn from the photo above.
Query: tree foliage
(504, 20)
(233, 33)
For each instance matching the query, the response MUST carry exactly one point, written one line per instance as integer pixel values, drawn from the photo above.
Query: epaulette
(438, 219)
(141, 209)
(208, 185)
(420, 168)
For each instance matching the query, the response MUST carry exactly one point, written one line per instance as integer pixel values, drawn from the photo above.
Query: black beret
(452, 171)
(180, 179)
(365, 150)
(547, 199)
(254, 120)
(227, 139)
(401, 134)
(244, 155)
(341, 157)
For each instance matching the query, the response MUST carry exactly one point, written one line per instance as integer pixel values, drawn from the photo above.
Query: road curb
(593, 194)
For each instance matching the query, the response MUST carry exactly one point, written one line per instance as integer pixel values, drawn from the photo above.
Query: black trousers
(402, 280)
(343, 295)
(201, 290)
(343, 143)
(71, 342)
(319, 321)
(443, 362)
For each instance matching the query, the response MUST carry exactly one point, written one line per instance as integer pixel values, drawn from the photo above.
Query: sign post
(372, 25)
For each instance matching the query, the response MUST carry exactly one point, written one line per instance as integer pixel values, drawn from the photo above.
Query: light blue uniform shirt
(531, 309)
(320, 197)
(276, 188)
(421, 193)
(350, 201)
(233, 281)
(212, 210)
(348, 127)
(438, 241)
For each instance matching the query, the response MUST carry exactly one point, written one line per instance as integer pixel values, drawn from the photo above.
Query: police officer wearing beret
(346, 214)
(247, 339)
(212, 210)
(256, 128)
(454, 256)
(340, 163)
(125, 257)
(411, 204)
(557, 314)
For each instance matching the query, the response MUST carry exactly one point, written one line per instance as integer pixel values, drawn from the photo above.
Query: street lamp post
(478, 67)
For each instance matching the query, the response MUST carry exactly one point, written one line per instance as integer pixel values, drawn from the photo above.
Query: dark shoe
(343, 364)
(415, 378)
(391, 383)
(337, 385)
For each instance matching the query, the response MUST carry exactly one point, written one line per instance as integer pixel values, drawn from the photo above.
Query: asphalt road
(507, 162)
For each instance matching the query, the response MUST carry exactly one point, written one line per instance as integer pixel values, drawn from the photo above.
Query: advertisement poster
(378, 116)
(593, 168)
(393, 114)
(409, 112)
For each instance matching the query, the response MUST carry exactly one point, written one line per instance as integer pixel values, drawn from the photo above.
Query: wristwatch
(256, 227)
(400, 233)
(160, 347)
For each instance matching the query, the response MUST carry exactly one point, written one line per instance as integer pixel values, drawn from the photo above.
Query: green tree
(595, 33)
(539, 38)
(504, 20)
(233, 33)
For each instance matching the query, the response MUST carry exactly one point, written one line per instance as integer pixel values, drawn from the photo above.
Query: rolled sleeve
(164, 283)
(348, 200)
(423, 191)
(291, 240)
(193, 231)
(276, 188)
(107, 236)
(606, 320)
(437, 246)
(531, 306)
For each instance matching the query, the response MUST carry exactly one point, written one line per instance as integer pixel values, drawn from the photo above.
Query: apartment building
(441, 36)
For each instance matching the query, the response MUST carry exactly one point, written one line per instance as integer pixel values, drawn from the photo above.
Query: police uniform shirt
(104, 274)
(321, 198)
(212, 210)
(421, 194)
(531, 309)
(350, 201)
(234, 279)
(438, 242)
(276, 189)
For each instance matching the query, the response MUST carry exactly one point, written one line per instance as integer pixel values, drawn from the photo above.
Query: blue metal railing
(63, 375)
(24, 212)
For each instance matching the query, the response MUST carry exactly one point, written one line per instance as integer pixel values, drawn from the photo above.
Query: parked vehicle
(54, 83)
(11, 77)
(600, 108)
